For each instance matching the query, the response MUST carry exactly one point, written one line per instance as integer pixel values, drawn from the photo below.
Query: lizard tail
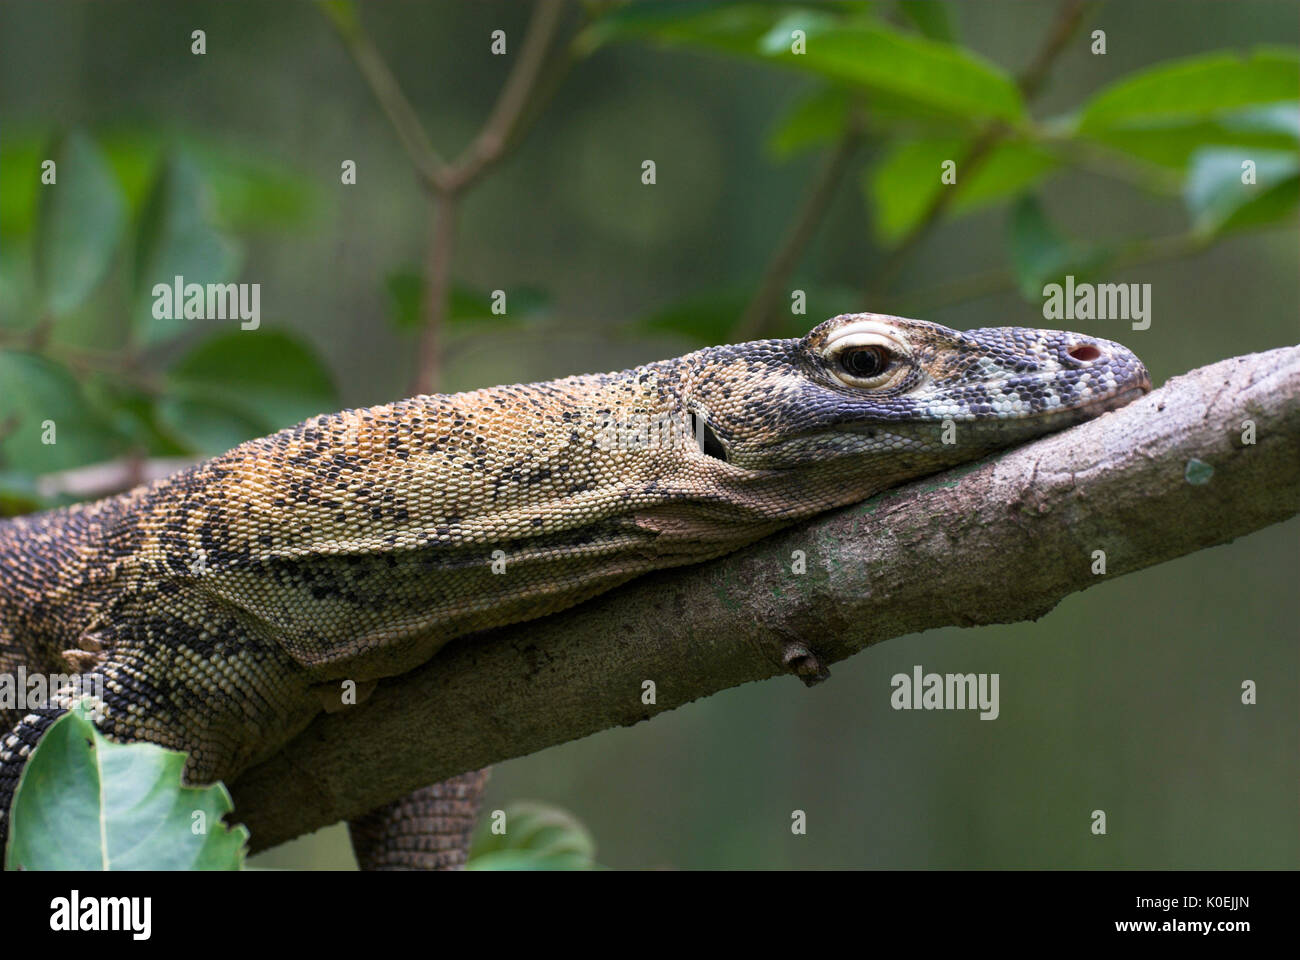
(428, 829)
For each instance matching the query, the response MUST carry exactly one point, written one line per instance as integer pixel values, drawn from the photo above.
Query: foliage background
(1125, 697)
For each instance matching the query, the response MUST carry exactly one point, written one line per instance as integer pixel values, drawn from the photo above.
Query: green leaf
(40, 400)
(813, 121)
(467, 305)
(250, 190)
(869, 56)
(343, 13)
(1282, 119)
(1219, 201)
(932, 18)
(20, 172)
(903, 185)
(537, 837)
(709, 318)
(177, 238)
(405, 289)
(730, 27)
(18, 307)
(1195, 88)
(133, 415)
(79, 225)
(780, 36)
(939, 75)
(1037, 250)
(205, 425)
(86, 803)
(1172, 146)
(470, 307)
(243, 384)
(1040, 254)
(246, 191)
(254, 193)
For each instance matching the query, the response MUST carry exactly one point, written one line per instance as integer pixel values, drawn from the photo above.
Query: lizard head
(921, 394)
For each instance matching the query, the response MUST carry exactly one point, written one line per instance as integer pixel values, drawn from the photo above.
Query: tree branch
(448, 182)
(437, 292)
(995, 542)
(109, 477)
(388, 92)
(497, 134)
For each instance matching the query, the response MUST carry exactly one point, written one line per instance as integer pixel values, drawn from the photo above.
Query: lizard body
(224, 605)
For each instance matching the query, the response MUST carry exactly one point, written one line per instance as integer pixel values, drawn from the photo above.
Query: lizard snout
(1130, 375)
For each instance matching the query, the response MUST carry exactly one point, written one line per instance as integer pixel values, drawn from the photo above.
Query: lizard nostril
(1084, 352)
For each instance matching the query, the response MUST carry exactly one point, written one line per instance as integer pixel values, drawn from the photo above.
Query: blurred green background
(227, 166)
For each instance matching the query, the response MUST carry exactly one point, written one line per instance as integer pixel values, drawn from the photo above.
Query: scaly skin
(223, 606)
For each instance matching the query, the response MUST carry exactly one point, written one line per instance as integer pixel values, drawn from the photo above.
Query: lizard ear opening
(708, 441)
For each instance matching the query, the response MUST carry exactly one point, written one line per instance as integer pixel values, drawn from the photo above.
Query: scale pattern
(223, 606)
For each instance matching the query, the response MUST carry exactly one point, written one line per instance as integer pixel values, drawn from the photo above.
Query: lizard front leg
(225, 709)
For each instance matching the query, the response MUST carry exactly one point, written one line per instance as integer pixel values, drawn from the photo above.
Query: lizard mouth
(999, 430)
(1121, 398)
(1065, 416)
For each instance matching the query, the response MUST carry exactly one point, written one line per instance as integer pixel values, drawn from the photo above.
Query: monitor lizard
(226, 606)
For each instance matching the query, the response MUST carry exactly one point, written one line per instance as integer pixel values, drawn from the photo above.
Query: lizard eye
(869, 366)
(865, 363)
(865, 356)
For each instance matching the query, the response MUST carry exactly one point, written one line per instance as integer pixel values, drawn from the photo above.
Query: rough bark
(993, 542)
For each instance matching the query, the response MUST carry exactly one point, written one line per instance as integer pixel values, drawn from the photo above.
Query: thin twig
(406, 124)
(109, 477)
(437, 289)
(548, 83)
(447, 182)
(800, 233)
(1067, 21)
(494, 139)
(968, 164)
(1110, 163)
(1030, 83)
